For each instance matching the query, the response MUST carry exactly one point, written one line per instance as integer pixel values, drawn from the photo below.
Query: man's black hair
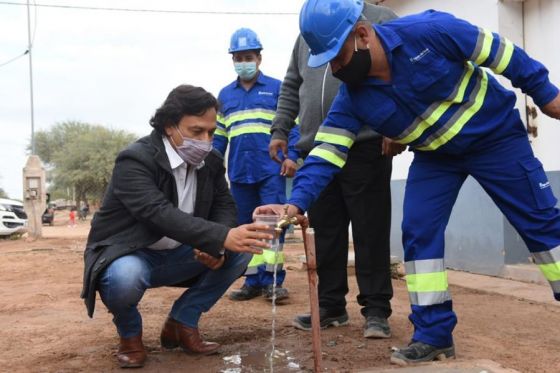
(183, 100)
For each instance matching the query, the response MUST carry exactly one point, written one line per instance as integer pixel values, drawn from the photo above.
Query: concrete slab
(474, 366)
(529, 291)
(524, 272)
(523, 281)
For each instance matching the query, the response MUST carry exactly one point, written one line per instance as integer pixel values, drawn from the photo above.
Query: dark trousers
(360, 194)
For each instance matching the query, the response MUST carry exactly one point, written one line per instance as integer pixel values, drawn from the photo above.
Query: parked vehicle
(13, 218)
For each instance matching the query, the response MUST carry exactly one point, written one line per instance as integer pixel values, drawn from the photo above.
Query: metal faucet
(285, 220)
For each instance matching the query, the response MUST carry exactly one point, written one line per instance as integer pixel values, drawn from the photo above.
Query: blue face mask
(245, 70)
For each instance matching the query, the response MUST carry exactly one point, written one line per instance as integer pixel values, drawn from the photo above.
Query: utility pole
(34, 189)
(30, 54)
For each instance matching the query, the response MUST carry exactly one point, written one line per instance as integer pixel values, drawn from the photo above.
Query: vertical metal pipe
(29, 47)
(309, 245)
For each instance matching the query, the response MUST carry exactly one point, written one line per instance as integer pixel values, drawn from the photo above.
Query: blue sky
(115, 68)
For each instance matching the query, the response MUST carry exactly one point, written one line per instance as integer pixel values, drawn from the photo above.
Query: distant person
(72, 217)
(166, 220)
(360, 194)
(84, 211)
(248, 105)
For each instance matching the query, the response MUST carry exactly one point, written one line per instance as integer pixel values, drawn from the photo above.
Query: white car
(13, 218)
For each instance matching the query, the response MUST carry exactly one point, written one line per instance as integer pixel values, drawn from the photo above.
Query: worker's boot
(174, 334)
(327, 318)
(281, 293)
(377, 327)
(131, 353)
(418, 352)
(245, 293)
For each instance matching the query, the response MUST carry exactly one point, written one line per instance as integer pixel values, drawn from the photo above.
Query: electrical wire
(13, 59)
(153, 10)
(32, 39)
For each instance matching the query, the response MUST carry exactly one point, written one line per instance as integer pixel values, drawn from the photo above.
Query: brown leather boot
(174, 334)
(131, 352)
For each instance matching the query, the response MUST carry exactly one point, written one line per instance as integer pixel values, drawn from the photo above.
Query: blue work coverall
(459, 121)
(244, 122)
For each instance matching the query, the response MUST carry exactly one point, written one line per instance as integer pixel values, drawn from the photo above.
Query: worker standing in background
(360, 194)
(248, 105)
(420, 81)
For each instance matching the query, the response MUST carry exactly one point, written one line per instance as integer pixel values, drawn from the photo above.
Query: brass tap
(285, 220)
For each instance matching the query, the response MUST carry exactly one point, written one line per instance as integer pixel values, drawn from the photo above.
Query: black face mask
(357, 69)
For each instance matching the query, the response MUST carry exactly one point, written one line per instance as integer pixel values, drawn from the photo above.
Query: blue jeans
(123, 283)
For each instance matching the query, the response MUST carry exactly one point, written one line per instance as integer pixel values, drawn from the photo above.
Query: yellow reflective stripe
(463, 119)
(504, 62)
(220, 132)
(270, 257)
(242, 130)
(253, 114)
(441, 109)
(551, 271)
(486, 47)
(256, 260)
(334, 139)
(328, 156)
(427, 282)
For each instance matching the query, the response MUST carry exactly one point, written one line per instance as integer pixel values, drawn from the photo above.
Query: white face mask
(245, 70)
(192, 151)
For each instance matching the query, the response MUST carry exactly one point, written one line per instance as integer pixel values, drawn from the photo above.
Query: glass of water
(271, 221)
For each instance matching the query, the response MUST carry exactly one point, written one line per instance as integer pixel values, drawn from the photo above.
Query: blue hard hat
(244, 39)
(325, 25)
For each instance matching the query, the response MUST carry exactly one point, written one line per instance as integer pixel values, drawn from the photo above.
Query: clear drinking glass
(271, 221)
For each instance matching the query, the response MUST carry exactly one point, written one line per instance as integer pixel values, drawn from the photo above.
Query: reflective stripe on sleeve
(461, 116)
(336, 136)
(503, 56)
(483, 46)
(330, 154)
(220, 132)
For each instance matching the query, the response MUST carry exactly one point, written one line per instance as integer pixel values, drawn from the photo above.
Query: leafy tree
(80, 157)
(3, 194)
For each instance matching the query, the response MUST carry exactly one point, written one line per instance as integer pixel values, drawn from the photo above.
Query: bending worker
(248, 105)
(419, 80)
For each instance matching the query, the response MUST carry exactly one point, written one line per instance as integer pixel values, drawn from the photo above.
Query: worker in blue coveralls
(248, 105)
(422, 81)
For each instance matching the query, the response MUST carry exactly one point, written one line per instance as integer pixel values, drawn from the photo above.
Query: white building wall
(542, 27)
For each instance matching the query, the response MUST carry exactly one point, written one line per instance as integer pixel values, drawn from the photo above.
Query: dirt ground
(44, 326)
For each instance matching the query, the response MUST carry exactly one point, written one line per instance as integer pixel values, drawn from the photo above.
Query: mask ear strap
(179, 131)
(355, 43)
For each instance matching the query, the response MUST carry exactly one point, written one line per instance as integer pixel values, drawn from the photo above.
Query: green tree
(80, 157)
(3, 194)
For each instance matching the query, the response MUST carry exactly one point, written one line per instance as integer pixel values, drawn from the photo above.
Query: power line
(13, 59)
(32, 41)
(153, 10)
